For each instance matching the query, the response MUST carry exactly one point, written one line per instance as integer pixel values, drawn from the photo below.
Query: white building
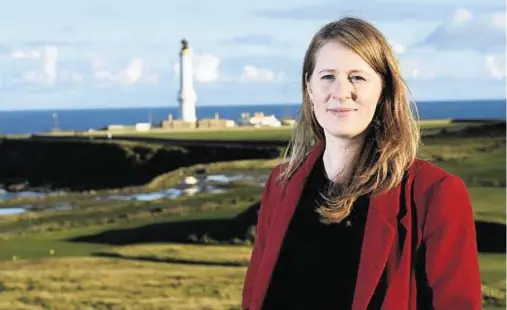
(259, 120)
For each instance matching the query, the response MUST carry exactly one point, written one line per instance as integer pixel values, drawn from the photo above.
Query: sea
(36, 121)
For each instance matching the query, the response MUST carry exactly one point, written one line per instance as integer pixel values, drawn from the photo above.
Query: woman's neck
(339, 155)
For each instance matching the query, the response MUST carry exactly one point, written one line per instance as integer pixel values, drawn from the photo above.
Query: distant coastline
(32, 121)
(174, 105)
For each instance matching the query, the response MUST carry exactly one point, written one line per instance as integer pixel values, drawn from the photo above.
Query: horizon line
(221, 106)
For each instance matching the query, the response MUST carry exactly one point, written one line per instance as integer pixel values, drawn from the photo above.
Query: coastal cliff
(87, 165)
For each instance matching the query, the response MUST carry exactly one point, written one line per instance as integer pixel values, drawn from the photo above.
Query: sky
(59, 54)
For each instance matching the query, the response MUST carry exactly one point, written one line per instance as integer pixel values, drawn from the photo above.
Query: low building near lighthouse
(259, 120)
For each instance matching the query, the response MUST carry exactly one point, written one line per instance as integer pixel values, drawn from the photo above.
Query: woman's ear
(310, 95)
(308, 89)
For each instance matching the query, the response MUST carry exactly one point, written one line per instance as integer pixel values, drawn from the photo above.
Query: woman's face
(344, 90)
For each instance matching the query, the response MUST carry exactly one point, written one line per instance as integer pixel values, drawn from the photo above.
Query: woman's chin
(344, 133)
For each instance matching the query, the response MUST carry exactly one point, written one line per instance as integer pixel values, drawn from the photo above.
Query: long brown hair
(392, 139)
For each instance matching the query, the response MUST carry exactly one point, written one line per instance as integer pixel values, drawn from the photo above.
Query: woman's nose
(341, 90)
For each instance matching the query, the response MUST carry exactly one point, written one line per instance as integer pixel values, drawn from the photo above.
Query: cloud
(252, 73)
(452, 65)
(50, 63)
(498, 19)
(205, 67)
(414, 74)
(97, 73)
(91, 70)
(97, 61)
(495, 66)
(251, 39)
(483, 32)
(134, 73)
(398, 48)
(65, 76)
(70, 76)
(49, 72)
(4, 49)
(417, 68)
(461, 16)
(25, 55)
(66, 30)
(457, 89)
(60, 43)
(373, 10)
(33, 77)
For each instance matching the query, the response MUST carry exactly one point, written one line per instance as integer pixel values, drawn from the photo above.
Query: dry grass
(109, 283)
(191, 253)
(126, 282)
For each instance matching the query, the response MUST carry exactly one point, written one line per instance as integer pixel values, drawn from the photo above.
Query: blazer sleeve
(451, 260)
(259, 244)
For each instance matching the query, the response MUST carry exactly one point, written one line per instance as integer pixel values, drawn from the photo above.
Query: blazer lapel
(378, 240)
(282, 216)
(378, 236)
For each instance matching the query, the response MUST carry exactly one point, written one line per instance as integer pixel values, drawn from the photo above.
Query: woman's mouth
(341, 112)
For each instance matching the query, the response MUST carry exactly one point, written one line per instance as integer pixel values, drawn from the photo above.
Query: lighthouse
(187, 96)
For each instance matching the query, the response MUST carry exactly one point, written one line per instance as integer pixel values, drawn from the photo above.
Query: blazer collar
(378, 201)
(378, 236)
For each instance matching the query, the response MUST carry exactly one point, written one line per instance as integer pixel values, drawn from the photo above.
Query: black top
(318, 263)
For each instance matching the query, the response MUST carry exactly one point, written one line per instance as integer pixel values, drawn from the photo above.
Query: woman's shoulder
(435, 186)
(428, 174)
(444, 208)
(422, 168)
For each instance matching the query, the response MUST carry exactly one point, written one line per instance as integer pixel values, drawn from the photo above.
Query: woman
(353, 219)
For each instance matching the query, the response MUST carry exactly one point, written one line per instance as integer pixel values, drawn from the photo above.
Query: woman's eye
(357, 78)
(327, 77)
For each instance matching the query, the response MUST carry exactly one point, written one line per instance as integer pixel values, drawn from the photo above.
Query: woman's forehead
(337, 58)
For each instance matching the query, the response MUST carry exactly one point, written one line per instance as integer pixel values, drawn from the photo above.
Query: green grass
(30, 245)
(250, 133)
(493, 270)
(493, 279)
(228, 134)
(178, 276)
(478, 160)
(488, 203)
(121, 213)
(132, 280)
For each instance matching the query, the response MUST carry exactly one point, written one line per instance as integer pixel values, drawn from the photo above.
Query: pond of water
(190, 185)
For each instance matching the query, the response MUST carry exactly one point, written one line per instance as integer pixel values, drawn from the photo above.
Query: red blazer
(426, 226)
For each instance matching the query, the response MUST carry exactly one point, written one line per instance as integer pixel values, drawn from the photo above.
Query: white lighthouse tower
(187, 96)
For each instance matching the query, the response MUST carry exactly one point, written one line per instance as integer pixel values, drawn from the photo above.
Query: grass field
(249, 133)
(103, 283)
(42, 269)
(146, 277)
